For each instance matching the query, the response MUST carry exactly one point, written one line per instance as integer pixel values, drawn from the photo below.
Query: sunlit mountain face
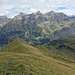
(38, 28)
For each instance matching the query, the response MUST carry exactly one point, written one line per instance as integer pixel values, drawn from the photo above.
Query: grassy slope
(65, 47)
(71, 42)
(29, 60)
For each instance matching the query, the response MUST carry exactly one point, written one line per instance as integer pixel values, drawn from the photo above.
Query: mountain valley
(37, 44)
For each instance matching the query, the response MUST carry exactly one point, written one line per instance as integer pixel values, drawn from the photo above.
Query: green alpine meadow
(37, 37)
(21, 58)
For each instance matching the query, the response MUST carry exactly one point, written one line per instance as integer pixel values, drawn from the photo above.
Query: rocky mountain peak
(3, 16)
(20, 16)
(38, 12)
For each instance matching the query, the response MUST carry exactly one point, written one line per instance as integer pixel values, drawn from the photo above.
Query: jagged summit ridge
(38, 28)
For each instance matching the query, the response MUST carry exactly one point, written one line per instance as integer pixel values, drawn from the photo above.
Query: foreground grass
(29, 64)
(20, 58)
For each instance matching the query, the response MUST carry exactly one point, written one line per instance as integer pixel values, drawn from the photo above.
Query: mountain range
(37, 44)
(37, 28)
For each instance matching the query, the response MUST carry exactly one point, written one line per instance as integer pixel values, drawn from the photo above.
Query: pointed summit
(21, 13)
(38, 12)
(51, 11)
(19, 16)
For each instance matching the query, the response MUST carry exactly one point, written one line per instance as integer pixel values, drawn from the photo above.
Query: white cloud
(68, 11)
(29, 6)
(32, 10)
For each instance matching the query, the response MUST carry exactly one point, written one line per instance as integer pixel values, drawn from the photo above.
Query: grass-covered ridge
(65, 47)
(20, 58)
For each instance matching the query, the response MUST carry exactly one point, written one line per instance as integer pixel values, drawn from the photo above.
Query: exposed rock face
(37, 27)
(73, 31)
(33, 18)
(4, 20)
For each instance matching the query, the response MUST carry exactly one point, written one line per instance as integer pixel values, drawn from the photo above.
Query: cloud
(31, 10)
(12, 7)
(68, 11)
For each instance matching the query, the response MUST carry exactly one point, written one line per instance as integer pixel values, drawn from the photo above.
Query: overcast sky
(11, 8)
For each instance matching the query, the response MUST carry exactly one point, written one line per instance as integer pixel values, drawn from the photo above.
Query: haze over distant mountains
(37, 28)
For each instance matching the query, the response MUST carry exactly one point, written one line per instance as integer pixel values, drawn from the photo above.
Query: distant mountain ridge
(63, 47)
(38, 28)
(4, 20)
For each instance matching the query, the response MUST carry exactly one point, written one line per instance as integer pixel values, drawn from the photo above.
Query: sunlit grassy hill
(20, 58)
(18, 45)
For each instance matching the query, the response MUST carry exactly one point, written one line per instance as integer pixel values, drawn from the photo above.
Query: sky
(11, 8)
